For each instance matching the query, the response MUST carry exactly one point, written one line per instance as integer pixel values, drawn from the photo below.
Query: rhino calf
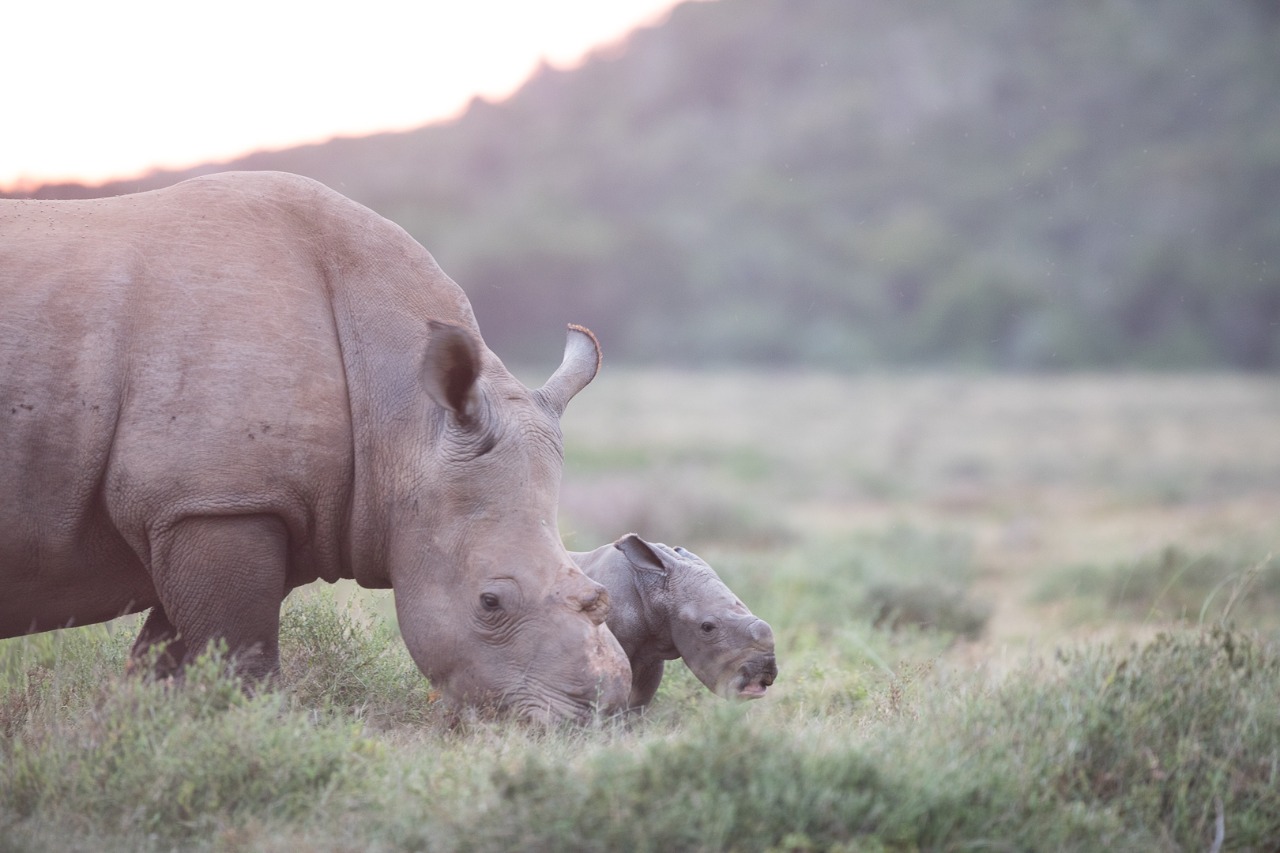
(667, 603)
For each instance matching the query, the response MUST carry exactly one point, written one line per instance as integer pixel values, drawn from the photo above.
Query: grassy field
(1013, 613)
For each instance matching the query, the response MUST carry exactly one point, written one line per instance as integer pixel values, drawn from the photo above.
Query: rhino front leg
(645, 678)
(157, 629)
(222, 577)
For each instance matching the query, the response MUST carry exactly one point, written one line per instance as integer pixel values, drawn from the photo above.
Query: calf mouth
(755, 677)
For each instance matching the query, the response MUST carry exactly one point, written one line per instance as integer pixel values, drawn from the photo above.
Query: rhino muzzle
(597, 690)
(754, 677)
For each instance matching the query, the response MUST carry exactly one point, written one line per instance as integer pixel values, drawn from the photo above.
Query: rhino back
(178, 353)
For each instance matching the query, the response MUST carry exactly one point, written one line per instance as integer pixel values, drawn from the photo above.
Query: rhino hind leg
(220, 577)
(158, 631)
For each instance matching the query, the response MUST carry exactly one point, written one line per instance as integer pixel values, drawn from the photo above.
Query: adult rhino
(213, 393)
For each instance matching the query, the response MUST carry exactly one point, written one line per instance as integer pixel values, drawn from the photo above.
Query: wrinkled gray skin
(667, 603)
(214, 393)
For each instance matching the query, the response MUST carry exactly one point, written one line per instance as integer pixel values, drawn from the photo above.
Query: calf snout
(755, 677)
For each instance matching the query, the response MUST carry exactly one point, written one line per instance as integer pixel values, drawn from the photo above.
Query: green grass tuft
(1173, 585)
(175, 760)
(339, 656)
(1135, 749)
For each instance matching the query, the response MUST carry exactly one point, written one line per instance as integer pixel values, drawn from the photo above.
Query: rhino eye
(708, 627)
(489, 601)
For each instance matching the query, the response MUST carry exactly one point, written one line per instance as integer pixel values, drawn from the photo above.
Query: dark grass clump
(827, 582)
(900, 578)
(932, 607)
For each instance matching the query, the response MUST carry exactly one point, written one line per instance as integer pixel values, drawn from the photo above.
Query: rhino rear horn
(582, 359)
(450, 368)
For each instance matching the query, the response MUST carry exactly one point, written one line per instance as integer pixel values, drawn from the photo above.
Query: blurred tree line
(844, 183)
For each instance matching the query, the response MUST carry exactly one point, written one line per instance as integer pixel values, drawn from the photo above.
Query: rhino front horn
(582, 360)
(593, 600)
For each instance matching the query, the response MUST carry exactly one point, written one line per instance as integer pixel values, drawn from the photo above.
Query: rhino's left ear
(642, 556)
(450, 369)
(582, 359)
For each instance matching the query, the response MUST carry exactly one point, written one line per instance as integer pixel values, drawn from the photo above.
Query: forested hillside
(857, 182)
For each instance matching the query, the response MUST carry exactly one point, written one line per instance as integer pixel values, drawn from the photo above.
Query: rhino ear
(642, 556)
(450, 368)
(582, 359)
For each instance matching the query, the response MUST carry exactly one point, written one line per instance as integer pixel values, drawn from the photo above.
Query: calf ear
(582, 359)
(642, 556)
(450, 368)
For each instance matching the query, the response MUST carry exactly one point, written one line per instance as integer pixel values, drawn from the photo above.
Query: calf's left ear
(641, 555)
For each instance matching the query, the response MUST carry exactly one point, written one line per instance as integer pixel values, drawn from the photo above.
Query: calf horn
(761, 633)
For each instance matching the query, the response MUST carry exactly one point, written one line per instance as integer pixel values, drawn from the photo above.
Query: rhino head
(668, 603)
(490, 606)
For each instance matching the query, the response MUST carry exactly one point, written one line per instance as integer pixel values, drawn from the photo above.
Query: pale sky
(97, 89)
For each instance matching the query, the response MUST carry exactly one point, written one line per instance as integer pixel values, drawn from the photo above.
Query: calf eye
(489, 601)
(708, 627)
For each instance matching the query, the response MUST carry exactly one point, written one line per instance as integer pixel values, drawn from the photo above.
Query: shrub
(59, 672)
(337, 656)
(1148, 748)
(1183, 732)
(174, 760)
(720, 784)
